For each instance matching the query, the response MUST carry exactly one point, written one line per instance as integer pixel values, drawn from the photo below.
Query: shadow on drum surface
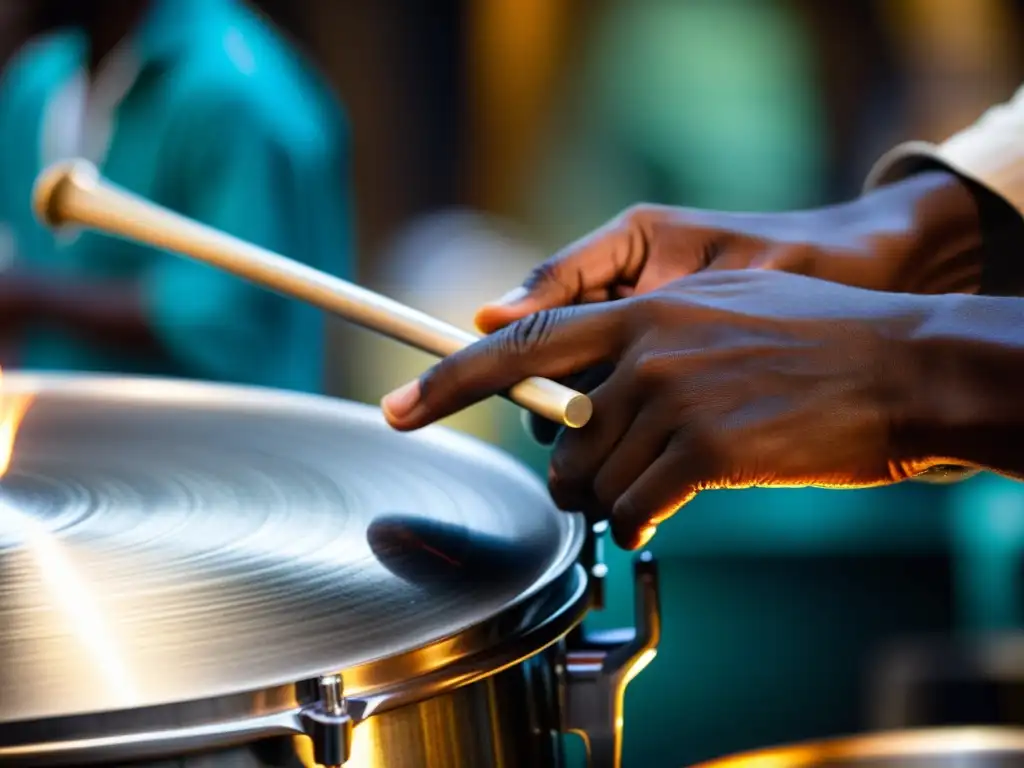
(431, 555)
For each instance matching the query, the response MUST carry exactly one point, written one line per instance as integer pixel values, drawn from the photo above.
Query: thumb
(584, 272)
(544, 288)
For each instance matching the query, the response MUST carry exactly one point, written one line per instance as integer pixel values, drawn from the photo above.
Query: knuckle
(463, 375)
(796, 258)
(655, 309)
(525, 335)
(649, 368)
(440, 380)
(545, 273)
(637, 216)
(653, 369)
(637, 225)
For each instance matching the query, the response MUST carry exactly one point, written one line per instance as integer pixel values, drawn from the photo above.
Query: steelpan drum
(221, 575)
(952, 748)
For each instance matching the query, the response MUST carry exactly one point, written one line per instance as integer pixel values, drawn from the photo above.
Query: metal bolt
(331, 695)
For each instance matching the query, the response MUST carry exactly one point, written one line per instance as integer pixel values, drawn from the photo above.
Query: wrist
(924, 410)
(920, 235)
(932, 226)
(957, 403)
(963, 238)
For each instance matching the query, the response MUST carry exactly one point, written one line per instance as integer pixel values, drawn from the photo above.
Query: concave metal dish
(186, 555)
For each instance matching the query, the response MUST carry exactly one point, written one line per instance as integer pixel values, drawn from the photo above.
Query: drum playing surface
(164, 541)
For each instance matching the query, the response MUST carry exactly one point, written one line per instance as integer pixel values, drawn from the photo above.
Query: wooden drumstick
(74, 193)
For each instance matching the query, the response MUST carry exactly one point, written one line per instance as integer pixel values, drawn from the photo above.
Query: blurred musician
(843, 347)
(198, 105)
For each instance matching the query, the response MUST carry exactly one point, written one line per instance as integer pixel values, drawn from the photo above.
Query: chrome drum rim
(537, 618)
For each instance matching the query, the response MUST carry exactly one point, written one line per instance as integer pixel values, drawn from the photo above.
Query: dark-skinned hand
(724, 379)
(921, 235)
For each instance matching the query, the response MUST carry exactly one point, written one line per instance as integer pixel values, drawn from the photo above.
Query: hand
(720, 380)
(921, 235)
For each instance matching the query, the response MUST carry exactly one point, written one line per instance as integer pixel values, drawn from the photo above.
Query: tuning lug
(329, 725)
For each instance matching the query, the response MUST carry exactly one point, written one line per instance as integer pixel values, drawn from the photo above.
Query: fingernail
(402, 400)
(512, 297)
(645, 536)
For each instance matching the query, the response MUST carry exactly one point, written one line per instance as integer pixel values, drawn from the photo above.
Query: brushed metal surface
(166, 541)
(509, 719)
(420, 721)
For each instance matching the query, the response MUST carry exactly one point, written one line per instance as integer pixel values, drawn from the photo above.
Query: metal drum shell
(511, 655)
(504, 709)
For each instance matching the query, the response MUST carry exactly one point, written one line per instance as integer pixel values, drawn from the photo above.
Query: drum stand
(599, 665)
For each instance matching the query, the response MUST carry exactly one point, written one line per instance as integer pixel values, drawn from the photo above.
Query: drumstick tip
(53, 181)
(578, 411)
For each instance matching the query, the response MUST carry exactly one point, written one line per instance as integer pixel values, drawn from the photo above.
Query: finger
(587, 269)
(664, 487)
(551, 344)
(580, 453)
(643, 443)
(545, 431)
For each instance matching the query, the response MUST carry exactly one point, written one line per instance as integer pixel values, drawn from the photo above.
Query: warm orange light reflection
(953, 743)
(13, 407)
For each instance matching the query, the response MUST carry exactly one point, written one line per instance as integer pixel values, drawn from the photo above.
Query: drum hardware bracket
(592, 559)
(598, 666)
(329, 724)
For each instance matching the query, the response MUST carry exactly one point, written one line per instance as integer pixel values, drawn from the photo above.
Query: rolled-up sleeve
(990, 152)
(240, 180)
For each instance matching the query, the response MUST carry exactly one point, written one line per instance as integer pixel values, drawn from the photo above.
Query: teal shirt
(223, 124)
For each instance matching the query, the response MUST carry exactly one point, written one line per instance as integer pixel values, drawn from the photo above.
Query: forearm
(964, 404)
(110, 313)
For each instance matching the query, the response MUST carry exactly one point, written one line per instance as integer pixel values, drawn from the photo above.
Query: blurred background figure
(705, 103)
(15, 22)
(202, 107)
(485, 134)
